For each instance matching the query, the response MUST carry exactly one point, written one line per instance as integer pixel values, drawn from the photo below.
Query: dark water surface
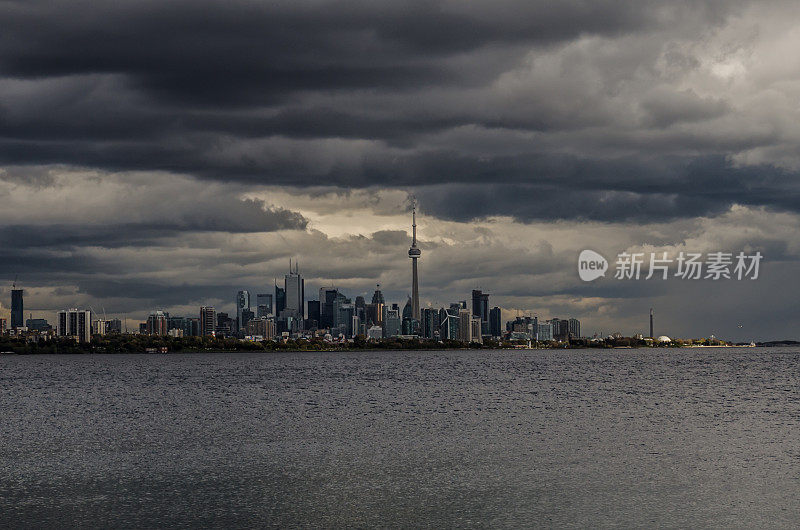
(577, 438)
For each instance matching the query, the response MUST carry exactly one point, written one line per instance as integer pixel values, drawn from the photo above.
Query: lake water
(704, 437)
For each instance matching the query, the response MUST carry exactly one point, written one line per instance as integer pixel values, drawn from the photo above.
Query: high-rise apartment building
(475, 329)
(574, 328)
(208, 321)
(465, 325)
(429, 325)
(75, 323)
(157, 323)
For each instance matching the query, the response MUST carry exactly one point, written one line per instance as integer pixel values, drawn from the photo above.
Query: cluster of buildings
(284, 312)
(532, 329)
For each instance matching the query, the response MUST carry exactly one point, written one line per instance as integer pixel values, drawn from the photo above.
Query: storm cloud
(155, 148)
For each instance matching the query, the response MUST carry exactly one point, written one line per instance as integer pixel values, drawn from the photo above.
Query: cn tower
(414, 254)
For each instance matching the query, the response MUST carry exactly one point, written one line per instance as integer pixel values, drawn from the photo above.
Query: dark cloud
(143, 234)
(349, 94)
(152, 122)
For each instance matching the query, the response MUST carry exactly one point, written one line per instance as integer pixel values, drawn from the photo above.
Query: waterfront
(672, 437)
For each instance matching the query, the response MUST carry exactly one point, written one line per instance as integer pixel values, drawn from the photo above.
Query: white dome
(664, 338)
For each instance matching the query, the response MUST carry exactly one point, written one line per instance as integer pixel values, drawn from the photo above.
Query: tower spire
(414, 223)
(414, 253)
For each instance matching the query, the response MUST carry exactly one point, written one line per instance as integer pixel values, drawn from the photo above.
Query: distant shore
(166, 345)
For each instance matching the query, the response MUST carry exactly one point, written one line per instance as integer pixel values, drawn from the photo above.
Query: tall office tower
(414, 253)
(242, 303)
(480, 308)
(280, 300)
(495, 322)
(327, 297)
(247, 316)
(157, 323)
(371, 317)
(313, 314)
(208, 321)
(263, 305)
(651, 323)
(391, 323)
(360, 311)
(17, 310)
(356, 326)
(377, 296)
(74, 323)
(379, 302)
(294, 285)
(574, 328)
(343, 311)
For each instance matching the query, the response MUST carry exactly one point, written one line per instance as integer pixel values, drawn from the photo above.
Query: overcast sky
(163, 155)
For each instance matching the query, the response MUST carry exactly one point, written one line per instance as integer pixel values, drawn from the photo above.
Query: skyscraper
(465, 325)
(429, 326)
(280, 299)
(17, 310)
(496, 322)
(208, 320)
(480, 308)
(242, 303)
(391, 323)
(414, 253)
(294, 286)
(379, 302)
(263, 305)
(574, 328)
(377, 296)
(326, 300)
(313, 314)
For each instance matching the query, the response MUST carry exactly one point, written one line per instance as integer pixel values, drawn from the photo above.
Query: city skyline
(333, 312)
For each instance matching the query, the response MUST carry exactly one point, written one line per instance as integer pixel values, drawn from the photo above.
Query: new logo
(591, 265)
